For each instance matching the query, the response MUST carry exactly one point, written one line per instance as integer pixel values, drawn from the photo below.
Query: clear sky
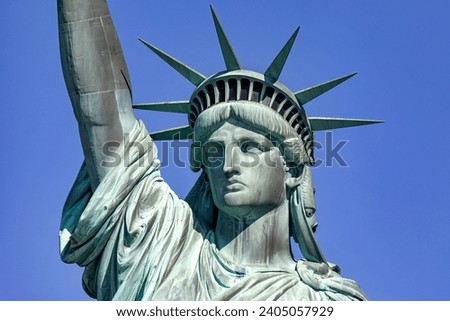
(384, 218)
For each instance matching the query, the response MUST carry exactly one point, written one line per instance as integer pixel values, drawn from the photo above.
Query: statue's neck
(260, 243)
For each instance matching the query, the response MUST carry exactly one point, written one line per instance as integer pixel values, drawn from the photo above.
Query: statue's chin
(239, 204)
(235, 198)
(242, 197)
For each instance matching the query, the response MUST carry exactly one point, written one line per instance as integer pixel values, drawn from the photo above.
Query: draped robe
(138, 241)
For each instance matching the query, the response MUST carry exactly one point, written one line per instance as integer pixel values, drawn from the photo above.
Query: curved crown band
(246, 85)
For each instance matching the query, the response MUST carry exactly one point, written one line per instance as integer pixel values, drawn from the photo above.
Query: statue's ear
(294, 176)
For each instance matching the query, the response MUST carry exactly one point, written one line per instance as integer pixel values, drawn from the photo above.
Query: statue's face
(246, 172)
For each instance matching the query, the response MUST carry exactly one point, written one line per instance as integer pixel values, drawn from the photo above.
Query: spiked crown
(246, 85)
(237, 84)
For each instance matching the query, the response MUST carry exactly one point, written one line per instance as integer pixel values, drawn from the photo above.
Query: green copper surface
(182, 132)
(326, 123)
(308, 94)
(190, 74)
(275, 68)
(181, 107)
(229, 56)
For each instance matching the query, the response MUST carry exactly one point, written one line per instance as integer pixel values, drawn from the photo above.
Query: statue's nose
(232, 159)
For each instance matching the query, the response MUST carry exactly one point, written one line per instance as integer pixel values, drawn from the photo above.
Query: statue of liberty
(230, 238)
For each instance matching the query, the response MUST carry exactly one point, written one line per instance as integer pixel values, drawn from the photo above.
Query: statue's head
(251, 158)
(252, 138)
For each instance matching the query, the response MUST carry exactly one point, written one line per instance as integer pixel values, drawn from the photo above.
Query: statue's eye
(253, 147)
(212, 153)
(213, 148)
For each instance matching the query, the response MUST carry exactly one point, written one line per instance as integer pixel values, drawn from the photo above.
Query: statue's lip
(233, 180)
(235, 187)
(233, 184)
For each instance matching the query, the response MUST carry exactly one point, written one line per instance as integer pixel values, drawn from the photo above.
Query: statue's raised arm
(96, 76)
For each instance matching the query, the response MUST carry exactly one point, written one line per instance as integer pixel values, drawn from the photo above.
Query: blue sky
(384, 218)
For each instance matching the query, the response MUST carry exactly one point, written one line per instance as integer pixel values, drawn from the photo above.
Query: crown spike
(308, 94)
(181, 107)
(326, 123)
(229, 56)
(190, 74)
(177, 133)
(274, 70)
